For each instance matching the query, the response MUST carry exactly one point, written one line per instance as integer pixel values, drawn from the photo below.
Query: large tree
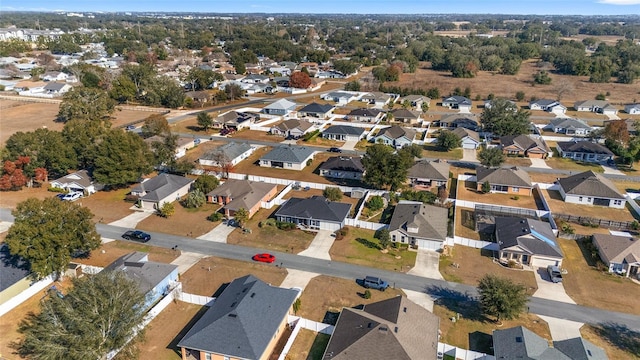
(501, 298)
(122, 157)
(99, 314)
(205, 120)
(45, 149)
(83, 137)
(85, 104)
(300, 80)
(448, 140)
(491, 157)
(155, 124)
(47, 232)
(504, 118)
(386, 167)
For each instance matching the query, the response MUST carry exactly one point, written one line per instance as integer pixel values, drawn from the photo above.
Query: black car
(335, 150)
(136, 235)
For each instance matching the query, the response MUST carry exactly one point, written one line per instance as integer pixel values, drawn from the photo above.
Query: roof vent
(369, 325)
(234, 304)
(252, 295)
(396, 330)
(405, 309)
(233, 315)
(383, 329)
(518, 339)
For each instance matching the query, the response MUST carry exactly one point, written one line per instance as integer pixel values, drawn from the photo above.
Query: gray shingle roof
(282, 104)
(54, 86)
(590, 183)
(242, 321)
(591, 103)
(580, 349)
(434, 170)
(343, 163)
(404, 114)
(462, 132)
(316, 108)
(460, 100)
(244, 193)
(396, 132)
(523, 142)
(430, 220)
(533, 236)
(587, 147)
(316, 207)
(395, 328)
(344, 130)
(521, 343)
(568, 123)
(503, 176)
(161, 186)
(80, 177)
(294, 123)
(542, 102)
(292, 154)
(227, 151)
(615, 248)
(12, 268)
(365, 112)
(146, 274)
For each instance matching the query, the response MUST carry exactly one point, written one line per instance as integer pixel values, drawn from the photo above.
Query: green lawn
(557, 162)
(433, 151)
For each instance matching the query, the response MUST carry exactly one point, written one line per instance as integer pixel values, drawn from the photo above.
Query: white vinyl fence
(196, 299)
(462, 354)
(26, 294)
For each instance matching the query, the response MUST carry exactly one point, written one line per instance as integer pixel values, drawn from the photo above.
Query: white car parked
(73, 196)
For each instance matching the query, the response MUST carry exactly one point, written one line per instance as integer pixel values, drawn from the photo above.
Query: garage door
(429, 245)
(469, 145)
(544, 262)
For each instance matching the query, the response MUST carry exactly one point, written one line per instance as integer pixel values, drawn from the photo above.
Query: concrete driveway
(132, 220)
(320, 245)
(539, 163)
(420, 298)
(548, 290)
(427, 265)
(349, 145)
(219, 233)
(469, 155)
(562, 329)
(611, 169)
(297, 279)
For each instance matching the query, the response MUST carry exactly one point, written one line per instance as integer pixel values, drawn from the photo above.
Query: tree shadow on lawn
(368, 243)
(481, 342)
(318, 347)
(173, 345)
(464, 304)
(620, 336)
(589, 251)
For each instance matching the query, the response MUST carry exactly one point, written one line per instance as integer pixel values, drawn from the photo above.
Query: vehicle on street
(136, 235)
(374, 283)
(131, 127)
(335, 150)
(72, 196)
(264, 257)
(554, 273)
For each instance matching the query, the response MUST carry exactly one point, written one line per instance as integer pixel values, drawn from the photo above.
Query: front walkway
(218, 234)
(427, 265)
(539, 163)
(549, 290)
(562, 329)
(132, 220)
(320, 245)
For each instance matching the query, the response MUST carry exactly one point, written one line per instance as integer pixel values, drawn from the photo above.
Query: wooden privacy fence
(589, 221)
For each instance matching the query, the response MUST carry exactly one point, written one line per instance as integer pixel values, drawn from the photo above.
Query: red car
(266, 258)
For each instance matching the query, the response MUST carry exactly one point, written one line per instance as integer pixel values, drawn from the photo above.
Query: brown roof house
(419, 225)
(504, 180)
(395, 328)
(405, 116)
(242, 194)
(523, 145)
(590, 188)
(620, 253)
(395, 136)
(426, 174)
(469, 139)
(293, 127)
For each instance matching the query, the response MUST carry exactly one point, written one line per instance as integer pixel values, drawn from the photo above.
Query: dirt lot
(583, 278)
(110, 251)
(328, 294)
(468, 192)
(507, 85)
(360, 248)
(308, 345)
(558, 206)
(209, 274)
(185, 222)
(473, 264)
(270, 237)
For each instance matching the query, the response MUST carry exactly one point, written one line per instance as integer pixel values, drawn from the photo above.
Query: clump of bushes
(340, 234)
(216, 216)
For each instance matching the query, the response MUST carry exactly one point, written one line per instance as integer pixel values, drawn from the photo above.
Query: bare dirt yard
(308, 345)
(507, 85)
(558, 206)
(468, 192)
(109, 252)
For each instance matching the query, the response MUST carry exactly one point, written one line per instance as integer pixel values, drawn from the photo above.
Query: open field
(360, 248)
(184, 222)
(209, 274)
(326, 294)
(507, 85)
(583, 277)
(468, 192)
(476, 263)
(558, 206)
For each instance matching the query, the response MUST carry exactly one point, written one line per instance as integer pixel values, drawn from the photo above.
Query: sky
(538, 7)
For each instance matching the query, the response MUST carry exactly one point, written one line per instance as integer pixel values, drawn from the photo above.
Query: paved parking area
(427, 263)
(218, 234)
(549, 290)
(320, 246)
(612, 170)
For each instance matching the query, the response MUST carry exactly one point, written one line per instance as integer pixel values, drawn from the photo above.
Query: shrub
(486, 187)
(167, 209)
(57, 190)
(216, 216)
(270, 222)
(195, 199)
(332, 193)
(375, 203)
(515, 197)
(285, 225)
(520, 95)
(367, 294)
(131, 198)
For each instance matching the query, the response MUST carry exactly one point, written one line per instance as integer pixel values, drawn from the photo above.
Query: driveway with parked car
(547, 289)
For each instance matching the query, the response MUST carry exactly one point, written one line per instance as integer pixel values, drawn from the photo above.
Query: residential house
(282, 107)
(200, 97)
(316, 110)
(489, 103)
(569, 126)
(315, 213)
(524, 145)
(584, 151)
(590, 188)
(405, 116)
(632, 109)
(236, 120)
(521, 343)
(376, 98)
(547, 105)
(14, 275)
(395, 136)
(428, 174)
(164, 188)
(365, 115)
(527, 241)
(396, 328)
(504, 180)
(154, 279)
(183, 144)
(241, 194)
(596, 106)
(343, 133)
(246, 321)
(457, 102)
(339, 97)
(291, 128)
(419, 225)
(56, 89)
(415, 101)
(620, 253)
(255, 78)
(55, 76)
(77, 181)
(342, 167)
(227, 155)
(453, 121)
(469, 139)
(288, 157)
